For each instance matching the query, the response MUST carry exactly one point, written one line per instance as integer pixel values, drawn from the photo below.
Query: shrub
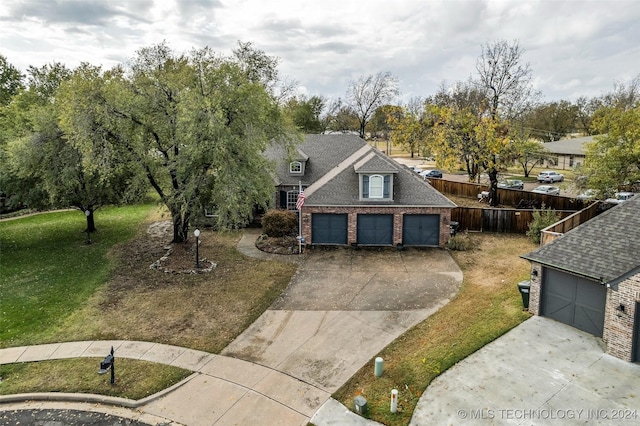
(460, 242)
(280, 223)
(541, 219)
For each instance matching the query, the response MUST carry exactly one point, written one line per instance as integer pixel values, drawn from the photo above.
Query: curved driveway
(342, 307)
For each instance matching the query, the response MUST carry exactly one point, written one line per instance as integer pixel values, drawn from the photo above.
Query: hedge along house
(589, 278)
(356, 195)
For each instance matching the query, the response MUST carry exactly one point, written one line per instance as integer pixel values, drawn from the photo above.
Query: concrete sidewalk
(222, 390)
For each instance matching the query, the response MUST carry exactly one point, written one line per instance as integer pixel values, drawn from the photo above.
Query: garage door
(328, 228)
(375, 229)
(421, 230)
(573, 300)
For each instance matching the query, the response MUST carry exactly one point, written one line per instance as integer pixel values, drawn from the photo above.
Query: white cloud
(574, 47)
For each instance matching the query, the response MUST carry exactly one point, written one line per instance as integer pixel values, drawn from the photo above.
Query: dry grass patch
(487, 306)
(200, 311)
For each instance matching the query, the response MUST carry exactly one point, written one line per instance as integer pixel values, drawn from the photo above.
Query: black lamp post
(88, 213)
(197, 234)
(109, 363)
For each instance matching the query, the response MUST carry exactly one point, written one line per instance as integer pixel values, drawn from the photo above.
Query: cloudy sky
(575, 48)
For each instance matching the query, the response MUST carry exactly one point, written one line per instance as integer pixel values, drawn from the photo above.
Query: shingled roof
(604, 248)
(331, 174)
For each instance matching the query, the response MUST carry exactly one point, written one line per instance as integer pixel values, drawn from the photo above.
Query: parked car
(417, 170)
(431, 174)
(547, 189)
(511, 184)
(587, 195)
(549, 176)
(620, 197)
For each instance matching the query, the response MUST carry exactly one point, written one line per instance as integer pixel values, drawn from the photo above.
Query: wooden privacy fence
(508, 197)
(496, 220)
(552, 232)
(487, 219)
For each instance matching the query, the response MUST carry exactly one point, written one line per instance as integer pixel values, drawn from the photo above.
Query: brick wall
(534, 291)
(619, 325)
(397, 212)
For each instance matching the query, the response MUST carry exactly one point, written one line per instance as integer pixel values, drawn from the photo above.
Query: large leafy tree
(45, 169)
(552, 121)
(306, 114)
(369, 93)
(613, 160)
(195, 124)
(10, 81)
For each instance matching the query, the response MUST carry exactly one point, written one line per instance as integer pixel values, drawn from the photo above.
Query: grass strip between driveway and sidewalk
(487, 306)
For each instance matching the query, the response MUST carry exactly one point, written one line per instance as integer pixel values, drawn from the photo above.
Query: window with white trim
(376, 187)
(295, 167)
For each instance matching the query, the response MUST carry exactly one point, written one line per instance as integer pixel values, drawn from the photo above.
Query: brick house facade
(356, 195)
(590, 278)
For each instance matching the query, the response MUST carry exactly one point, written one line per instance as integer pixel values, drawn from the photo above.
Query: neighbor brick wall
(397, 212)
(619, 326)
(534, 291)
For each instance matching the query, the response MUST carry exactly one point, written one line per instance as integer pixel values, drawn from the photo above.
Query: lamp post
(109, 363)
(197, 234)
(87, 213)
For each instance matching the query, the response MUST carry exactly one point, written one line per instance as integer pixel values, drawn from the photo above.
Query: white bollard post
(378, 367)
(394, 401)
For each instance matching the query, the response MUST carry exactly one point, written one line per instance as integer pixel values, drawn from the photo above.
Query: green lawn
(47, 270)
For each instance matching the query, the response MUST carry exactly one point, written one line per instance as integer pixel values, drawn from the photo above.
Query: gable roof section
(373, 163)
(324, 152)
(576, 146)
(605, 248)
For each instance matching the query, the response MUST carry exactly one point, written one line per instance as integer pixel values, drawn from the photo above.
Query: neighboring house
(590, 278)
(567, 153)
(356, 195)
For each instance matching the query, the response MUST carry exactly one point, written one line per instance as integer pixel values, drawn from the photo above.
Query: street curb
(93, 398)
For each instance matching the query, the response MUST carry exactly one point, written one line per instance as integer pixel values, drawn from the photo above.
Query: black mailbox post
(108, 363)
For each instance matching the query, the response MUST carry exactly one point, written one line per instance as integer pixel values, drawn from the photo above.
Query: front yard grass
(488, 305)
(55, 288)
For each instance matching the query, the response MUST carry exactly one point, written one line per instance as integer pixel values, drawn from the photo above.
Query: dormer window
(295, 167)
(376, 187)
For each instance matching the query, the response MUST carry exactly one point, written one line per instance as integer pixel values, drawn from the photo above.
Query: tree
(552, 121)
(506, 81)
(528, 153)
(306, 114)
(45, 169)
(507, 84)
(10, 81)
(613, 161)
(341, 117)
(368, 94)
(195, 125)
(407, 128)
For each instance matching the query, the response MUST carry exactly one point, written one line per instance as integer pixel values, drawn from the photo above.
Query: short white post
(378, 367)
(394, 401)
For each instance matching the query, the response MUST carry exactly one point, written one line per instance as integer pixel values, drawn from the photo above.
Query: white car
(549, 176)
(620, 197)
(547, 189)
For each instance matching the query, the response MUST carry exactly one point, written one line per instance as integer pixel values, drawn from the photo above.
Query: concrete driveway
(342, 307)
(540, 373)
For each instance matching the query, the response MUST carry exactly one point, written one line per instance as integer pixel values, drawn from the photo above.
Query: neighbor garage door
(375, 229)
(421, 230)
(328, 228)
(573, 300)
